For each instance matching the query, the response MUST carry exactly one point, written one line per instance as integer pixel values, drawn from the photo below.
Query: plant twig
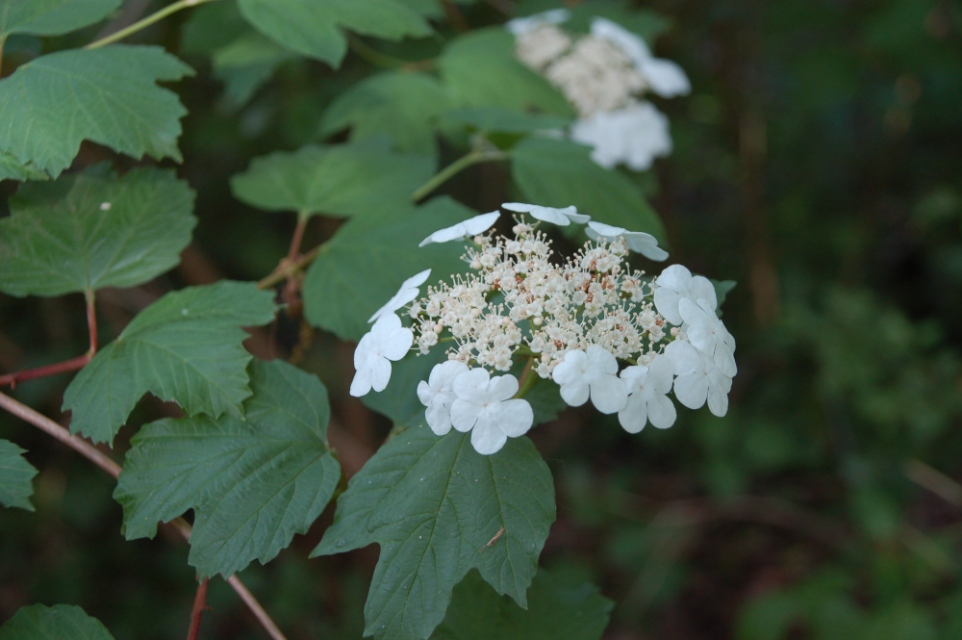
(286, 269)
(474, 157)
(200, 605)
(113, 469)
(146, 22)
(60, 367)
(935, 481)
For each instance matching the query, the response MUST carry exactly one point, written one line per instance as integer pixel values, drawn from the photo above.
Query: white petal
(471, 384)
(660, 374)
(443, 374)
(634, 377)
(691, 389)
(425, 394)
(487, 438)
(601, 230)
(634, 416)
(438, 416)
(675, 277)
(601, 360)
(569, 369)
(665, 77)
(560, 217)
(397, 343)
(661, 411)
(364, 350)
(684, 356)
(464, 414)
(717, 402)
(380, 372)
(646, 245)
(666, 301)
(514, 417)
(502, 387)
(633, 46)
(407, 292)
(527, 24)
(609, 395)
(470, 227)
(481, 223)
(702, 289)
(574, 393)
(361, 384)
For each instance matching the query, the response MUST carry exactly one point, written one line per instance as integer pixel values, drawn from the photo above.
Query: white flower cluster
(573, 322)
(603, 74)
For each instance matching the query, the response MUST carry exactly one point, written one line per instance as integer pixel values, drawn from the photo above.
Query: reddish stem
(60, 367)
(297, 238)
(200, 605)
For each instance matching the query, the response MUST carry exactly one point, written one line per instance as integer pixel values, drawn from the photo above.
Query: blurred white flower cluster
(591, 324)
(603, 74)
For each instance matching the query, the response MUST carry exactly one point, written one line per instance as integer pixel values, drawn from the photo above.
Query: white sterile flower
(560, 217)
(707, 333)
(483, 405)
(437, 394)
(634, 135)
(386, 341)
(594, 372)
(408, 291)
(647, 395)
(637, 241)
(698, 378)
(521, 26)
(675, 283)
(470, 227)
(664, 77)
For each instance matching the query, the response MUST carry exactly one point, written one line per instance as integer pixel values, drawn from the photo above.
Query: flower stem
(146, 22)
(528, 378)
(475, 157)
(113, 469)
(287, 269)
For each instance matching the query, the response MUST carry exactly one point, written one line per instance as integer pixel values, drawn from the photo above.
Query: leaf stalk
(146, 22)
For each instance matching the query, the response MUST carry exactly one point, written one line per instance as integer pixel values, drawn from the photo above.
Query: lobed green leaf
(185, 348)
(51, 17)
(363, 265)
(337, 180)
(40, 622)
(315, 29)
(253, 483)
(16, 475)
(481, 70)
(558, 173)
(94, 230)
(51, 104)
(246, 64)
(401, 105)
(439, 509)
(556, 609)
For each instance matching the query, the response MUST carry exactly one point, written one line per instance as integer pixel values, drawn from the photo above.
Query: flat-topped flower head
(561, 217)
(648, 388)
(637, 241)
(664, 77)
(484, 406)
(468, 228)
(437, 394)
(386, 341)
(408, 291)
(675, 283)
(593, 372)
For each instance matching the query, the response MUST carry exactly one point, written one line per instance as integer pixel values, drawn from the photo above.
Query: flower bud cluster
(590, 323)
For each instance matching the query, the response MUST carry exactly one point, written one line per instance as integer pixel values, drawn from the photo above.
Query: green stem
(146, 22)
(528, 378)
(475, 157)
(3, 41)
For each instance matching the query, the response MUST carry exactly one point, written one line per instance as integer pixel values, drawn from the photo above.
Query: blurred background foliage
(817, 163)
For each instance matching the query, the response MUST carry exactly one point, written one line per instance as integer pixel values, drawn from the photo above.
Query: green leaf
(502, 120)
(94, 230)
(39, 622)
(185, 348)
(337, 180)
(16, 475)
(13, 169)
(314, 28)
(51, 104)
(436, 507)
(556, 609)
(401, 105)
(363, 265)
(558, 173)
(480, 69)
(51, 17)
(246, 64)
(253, 483)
